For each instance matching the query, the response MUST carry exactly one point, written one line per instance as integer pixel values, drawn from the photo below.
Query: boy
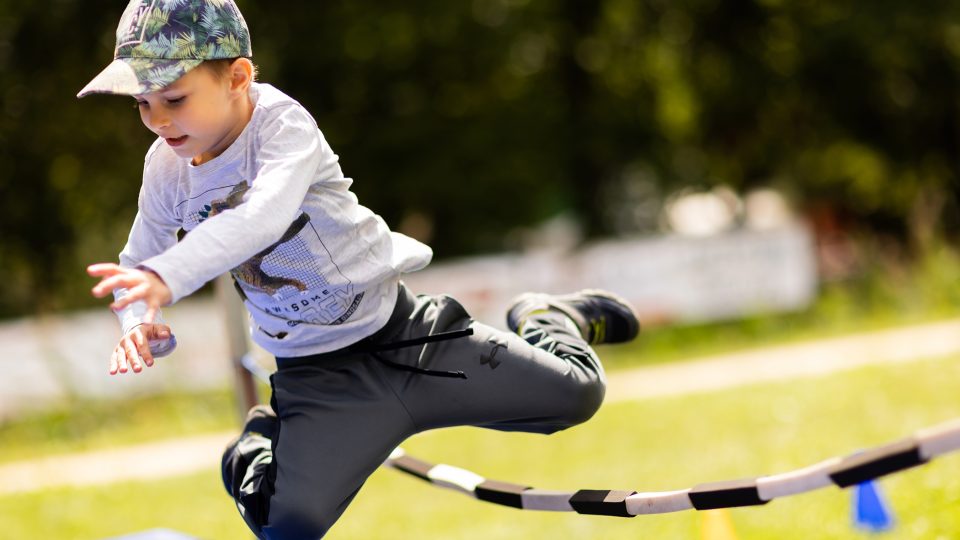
(362, 362)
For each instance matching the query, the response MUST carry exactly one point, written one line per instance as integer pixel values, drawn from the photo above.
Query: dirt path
(810, 359)
(187, 455)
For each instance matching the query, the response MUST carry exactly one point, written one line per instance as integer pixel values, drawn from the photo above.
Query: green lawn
(651, 445)
(91, 425)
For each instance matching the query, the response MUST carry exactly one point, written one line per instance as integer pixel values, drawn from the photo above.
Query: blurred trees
(462, 121)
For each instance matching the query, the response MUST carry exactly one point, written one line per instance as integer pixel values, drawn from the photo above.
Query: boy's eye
(137, 104)
(176, 101)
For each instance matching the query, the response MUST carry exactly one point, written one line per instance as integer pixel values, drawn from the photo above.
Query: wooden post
(236, 327)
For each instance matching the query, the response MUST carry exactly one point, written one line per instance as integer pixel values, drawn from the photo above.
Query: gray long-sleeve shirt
(319, 270)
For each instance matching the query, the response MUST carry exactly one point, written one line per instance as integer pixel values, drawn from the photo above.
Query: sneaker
(601, 316)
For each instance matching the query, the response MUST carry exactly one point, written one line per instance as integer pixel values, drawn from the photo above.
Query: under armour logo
(491, 359)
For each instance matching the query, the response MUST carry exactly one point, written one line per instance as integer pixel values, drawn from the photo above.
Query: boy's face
(199, 115)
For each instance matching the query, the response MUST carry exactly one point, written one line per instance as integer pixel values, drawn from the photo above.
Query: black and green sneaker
(601, 316)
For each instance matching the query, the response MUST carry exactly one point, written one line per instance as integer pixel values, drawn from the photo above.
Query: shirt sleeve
(154, 230)
(290, 151)
(155, 227)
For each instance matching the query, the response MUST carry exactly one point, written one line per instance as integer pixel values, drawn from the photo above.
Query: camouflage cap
(158, 41)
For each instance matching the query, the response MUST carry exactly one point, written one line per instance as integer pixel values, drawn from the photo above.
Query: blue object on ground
(870, 510)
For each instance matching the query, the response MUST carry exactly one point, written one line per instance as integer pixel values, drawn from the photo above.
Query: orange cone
(716, 525)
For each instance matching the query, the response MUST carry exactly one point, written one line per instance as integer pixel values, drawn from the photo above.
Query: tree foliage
(461, 121)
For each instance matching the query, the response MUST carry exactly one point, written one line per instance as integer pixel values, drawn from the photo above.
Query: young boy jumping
(363, 363)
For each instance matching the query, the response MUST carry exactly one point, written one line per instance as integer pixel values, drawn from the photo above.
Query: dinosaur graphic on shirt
(251, 271)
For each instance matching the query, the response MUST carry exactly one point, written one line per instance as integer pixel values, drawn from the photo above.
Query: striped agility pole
(843, 472)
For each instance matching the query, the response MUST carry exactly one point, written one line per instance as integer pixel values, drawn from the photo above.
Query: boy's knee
(248, 475)
(228, 463)
(305, 511)
(583, 401)
(300, 521)
(233, 467)
(244, 456)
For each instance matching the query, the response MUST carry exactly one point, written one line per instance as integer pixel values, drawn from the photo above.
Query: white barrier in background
(667, 278)
(49, 359)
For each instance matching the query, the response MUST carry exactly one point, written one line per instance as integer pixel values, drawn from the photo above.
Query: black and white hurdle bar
(843, 472)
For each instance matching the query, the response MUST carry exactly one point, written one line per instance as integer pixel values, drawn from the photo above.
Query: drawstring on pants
(372, 350)
(366, 347)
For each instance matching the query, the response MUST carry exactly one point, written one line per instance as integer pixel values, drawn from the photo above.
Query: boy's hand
(140, 285)
(134, 348)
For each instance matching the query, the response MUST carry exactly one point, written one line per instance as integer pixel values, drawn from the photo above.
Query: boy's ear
(241, 75)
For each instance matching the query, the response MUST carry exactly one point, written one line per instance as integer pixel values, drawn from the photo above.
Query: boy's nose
(159, 121)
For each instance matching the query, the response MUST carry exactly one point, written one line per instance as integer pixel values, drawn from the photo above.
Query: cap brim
(134, 76)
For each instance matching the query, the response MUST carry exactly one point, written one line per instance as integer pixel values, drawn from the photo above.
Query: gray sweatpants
(341, 414)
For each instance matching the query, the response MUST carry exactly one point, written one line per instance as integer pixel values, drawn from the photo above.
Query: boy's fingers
(133, 294)
(158, 331)
(107, 284)
(122, 357)
(132, 355)
(102, 269)
(114, 364)
(143, 348)
(115, 281)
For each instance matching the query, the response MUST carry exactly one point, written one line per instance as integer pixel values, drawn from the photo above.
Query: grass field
(82, 425)
(652, 445)
(92, 425)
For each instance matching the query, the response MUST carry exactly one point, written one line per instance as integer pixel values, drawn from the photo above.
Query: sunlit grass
(91, 425)
(649, 445)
